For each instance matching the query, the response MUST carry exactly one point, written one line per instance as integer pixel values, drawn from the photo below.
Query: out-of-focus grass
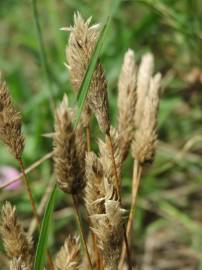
(172, 31)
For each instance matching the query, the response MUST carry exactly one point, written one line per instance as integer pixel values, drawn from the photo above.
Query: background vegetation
(170, 199)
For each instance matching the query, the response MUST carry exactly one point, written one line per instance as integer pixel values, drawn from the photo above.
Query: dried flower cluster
(81, 45)
(17, 243)
(10, 122)
(144, 143)
(68, 156)
(68, 258)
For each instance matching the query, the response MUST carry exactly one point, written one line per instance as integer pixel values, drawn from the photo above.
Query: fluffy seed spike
(68, 166)
(82, 41)
(10, 123)
(94, 190)
(143, 81)
(68, 258)
(17, 244)
(109, 229)
(126, 102)
(17, 264)
(144, 144)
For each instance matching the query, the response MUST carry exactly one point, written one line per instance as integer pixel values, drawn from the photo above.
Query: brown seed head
(108, 227)
(17, 264)
(68, 258)
(10, 123)
(16, 242)
(94, 190)
(69, 169)
(126, 102)
(82, 41)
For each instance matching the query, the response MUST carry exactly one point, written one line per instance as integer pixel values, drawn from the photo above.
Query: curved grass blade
(44, 232)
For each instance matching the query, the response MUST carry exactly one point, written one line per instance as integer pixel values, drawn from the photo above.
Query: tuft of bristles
(126, 102)
(108, 228)
(68, 154)
(68, 258)
(81, 45)
(148, 87)
(17, 264)
(10, 123)
(104, 208)
(17, 244)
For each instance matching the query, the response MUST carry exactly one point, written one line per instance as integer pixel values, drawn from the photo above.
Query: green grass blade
(83, 91)
(44, 232)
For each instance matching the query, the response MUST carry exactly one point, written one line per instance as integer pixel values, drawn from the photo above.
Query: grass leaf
(44, 232)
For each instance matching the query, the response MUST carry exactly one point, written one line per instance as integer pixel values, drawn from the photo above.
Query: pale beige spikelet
(10, 123)
(108, 228)
(126, 102)
(82, 41)
(18, 264)
(144, 144)
(68, 258)
(143, 81)
(69, 170)
(16, 242)
(94, 190)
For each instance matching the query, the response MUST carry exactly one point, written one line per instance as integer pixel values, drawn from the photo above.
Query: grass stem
(137, 171)
(117, 184)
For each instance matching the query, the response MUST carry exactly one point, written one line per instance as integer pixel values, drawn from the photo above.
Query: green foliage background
(172, 30)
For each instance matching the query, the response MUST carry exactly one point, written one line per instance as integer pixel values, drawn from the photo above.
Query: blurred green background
(168, 222)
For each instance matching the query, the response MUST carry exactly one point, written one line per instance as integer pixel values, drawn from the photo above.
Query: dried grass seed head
(18, 264)
(68, 258)
(10, 122)
(94, 190)
(126, 102)
(82, 41)
(69, 168)
(144, 144)
(108, 227)
(16, 242)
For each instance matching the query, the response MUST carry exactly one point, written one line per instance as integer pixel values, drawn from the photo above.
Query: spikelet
(108, 227)
(68, 166)
(126, 102)
(94, 190)
(82, 41)
(17, 264)
(68, 258)
(144, 144)
(10, 123)
(16, 242)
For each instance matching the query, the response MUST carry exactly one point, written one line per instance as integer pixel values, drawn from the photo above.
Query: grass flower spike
(16, 242)
(68, 258)
(10, 123)
(81, 45)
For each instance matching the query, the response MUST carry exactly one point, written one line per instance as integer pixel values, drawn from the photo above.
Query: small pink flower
(7, 173)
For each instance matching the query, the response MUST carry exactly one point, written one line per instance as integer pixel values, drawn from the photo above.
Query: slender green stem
(43, 53)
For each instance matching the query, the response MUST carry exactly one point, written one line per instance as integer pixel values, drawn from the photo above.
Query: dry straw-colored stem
(81, 229)
(88, 141)
(137, 171)
(27, 170)
(117, 184)
(27, 186)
